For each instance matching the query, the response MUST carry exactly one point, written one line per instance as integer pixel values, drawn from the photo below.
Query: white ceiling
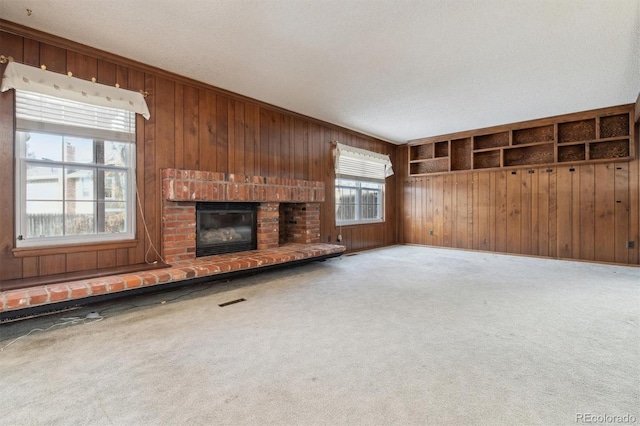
(393, 69)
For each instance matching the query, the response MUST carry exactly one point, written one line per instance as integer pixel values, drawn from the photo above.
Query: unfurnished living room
(328, 212)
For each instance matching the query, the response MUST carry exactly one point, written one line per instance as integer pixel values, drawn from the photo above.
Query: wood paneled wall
(587, 212)
(192, 126)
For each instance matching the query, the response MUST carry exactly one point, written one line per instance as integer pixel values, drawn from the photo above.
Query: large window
(360, 184)
(75, 171)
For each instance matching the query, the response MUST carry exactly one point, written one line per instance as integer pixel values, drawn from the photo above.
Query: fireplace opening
(225, 228)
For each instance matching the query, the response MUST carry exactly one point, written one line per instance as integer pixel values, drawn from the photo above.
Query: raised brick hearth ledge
(200, 267)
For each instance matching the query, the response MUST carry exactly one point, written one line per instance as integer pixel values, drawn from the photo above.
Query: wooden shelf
(593, 136)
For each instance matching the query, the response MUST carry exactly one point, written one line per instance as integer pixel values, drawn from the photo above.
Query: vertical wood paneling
(501, 210)
(461, 230)
(621, 221)
(526, 227)
(542, 195)
(564, 213)
(605, 212)
(207, 130)
(447, 210)
(190, 124)
(587, 213)
(222, 134)
(136, 255)
(482, 199)
(514, 210)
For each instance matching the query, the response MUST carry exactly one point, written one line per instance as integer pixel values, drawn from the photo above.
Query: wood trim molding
(637, 116)
(20, 30)
(76, 248)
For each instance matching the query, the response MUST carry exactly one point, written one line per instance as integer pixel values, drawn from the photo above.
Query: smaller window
(360, 177)
(359, 201)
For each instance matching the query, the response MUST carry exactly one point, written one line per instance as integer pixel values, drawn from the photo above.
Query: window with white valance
(75, 158)
(360, 185)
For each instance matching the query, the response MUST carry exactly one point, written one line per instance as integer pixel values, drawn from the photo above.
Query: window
(358, 201)
(360, 185)
(75, 171)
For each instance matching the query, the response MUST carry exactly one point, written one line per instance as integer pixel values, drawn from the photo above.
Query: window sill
(75, 248)
(368, 222)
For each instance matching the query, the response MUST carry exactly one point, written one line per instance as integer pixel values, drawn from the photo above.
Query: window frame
(97, 237)
(358, 187)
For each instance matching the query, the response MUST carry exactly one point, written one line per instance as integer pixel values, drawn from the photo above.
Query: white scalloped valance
(353, 162)
(31, 79)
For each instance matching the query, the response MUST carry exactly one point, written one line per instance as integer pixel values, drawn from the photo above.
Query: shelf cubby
(571, 153)
(614, 126)
(609, 149)
(529, 155)
(461, 154)
(533, 135)
(575, 131)
(429, 166)
(486, 159)
(493, 140)
(441, 149)
(421, 152)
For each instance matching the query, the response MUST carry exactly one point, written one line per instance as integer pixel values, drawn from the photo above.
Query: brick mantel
(194, 185)
(182, 189)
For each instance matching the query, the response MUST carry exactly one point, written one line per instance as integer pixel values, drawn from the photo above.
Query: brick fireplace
(288, 210)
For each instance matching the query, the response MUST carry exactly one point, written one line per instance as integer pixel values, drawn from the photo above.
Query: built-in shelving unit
(593, 136)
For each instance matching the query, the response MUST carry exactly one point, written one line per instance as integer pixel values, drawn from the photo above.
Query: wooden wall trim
(20, 30)
(638, 108)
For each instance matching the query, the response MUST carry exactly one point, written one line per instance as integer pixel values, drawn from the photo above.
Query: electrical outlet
(630, 244)
(431, 232)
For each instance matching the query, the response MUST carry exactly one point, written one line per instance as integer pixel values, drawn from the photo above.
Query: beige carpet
(396, 336)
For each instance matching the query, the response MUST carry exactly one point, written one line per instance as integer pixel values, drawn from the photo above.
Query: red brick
(37, 296)
(116, 286)
(98, 287)
(58, 292)
(78, 290)
(16, 299)
(132, 281)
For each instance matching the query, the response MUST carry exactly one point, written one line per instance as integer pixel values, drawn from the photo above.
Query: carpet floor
(402, 335)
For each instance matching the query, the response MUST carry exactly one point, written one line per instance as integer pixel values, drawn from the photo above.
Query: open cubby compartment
(575, 131)
(609, 149)
(461, 154)
(613, 126)
(441, 149)
(486, 159)
(533, 135)
(429, 166)
(570, 153)
(534, 154)
(421, 152)
(493, 140)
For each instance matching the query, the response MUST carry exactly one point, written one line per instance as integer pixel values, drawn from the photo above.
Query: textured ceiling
(393, 69)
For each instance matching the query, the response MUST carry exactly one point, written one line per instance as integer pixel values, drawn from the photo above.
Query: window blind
(50, 114)
(357, 163)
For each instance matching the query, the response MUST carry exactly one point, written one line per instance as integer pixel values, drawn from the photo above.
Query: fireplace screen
(225, 228)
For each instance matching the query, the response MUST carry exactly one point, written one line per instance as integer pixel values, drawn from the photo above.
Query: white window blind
(50, 114)
(357, 163)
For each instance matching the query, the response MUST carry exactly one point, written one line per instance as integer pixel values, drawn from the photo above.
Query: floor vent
(222, 305)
